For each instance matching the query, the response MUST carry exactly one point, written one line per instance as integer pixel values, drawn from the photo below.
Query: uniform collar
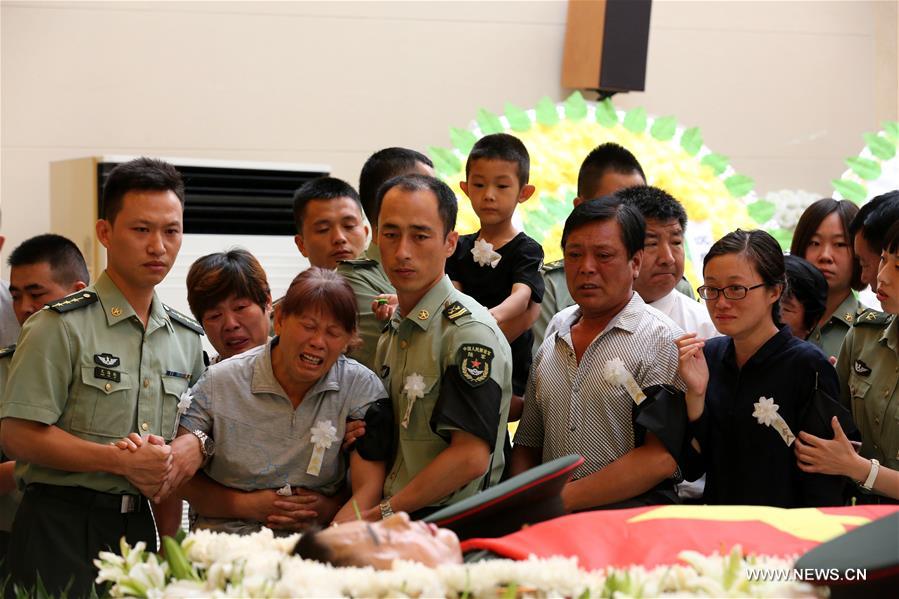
(429, 307)
(373, 253)
(888, 337)
(264, 380)
(627, 318)
(847, 311)
(117, 309)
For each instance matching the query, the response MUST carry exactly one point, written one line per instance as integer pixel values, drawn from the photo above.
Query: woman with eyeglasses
(749, 391)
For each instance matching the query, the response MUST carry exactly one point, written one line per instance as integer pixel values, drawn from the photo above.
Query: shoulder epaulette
(454, 311)
(8, 351)
(360, 262)
(870, 316)
(183, 320)
(548, 266)
(77, 300)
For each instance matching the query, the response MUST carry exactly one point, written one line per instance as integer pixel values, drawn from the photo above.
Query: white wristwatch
(872, 475)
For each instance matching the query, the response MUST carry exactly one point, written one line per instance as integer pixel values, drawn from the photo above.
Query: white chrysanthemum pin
(616, 373)
(323, 434)
(765, 411)
(285, 491)
(484, 254)
(414, 388)
(183, 405)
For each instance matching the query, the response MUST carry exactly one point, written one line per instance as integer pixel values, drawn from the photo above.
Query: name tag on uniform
(107, 374)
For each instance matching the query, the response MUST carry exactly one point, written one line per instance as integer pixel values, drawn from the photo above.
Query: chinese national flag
(654, 535)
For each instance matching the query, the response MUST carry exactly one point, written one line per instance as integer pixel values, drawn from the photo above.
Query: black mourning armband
(664, 414)
(376, 445)
(464, 406)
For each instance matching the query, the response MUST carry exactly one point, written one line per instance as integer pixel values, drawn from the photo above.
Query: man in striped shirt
(569, 406)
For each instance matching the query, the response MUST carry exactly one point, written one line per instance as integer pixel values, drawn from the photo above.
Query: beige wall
(784, 88)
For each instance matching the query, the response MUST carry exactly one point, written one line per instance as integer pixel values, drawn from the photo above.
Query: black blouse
(747, 462)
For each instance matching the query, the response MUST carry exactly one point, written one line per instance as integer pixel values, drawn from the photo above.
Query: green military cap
(863, 562)
(528, 498)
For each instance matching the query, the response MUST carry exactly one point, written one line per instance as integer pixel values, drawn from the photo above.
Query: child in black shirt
(499, 266)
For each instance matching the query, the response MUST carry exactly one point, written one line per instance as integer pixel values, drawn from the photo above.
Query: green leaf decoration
(445, 161)
(663, 128)
(717, 162)
(547, 114)
(691, 141)
(462, 139)
(738, 185)
(518, 118)
(784, 237)
(489, 122)
(606, 115)
(851, 190)
(880, 146)
(761, 211)
(868, 170)
(891, 129)
(635, 120)
(575, 107)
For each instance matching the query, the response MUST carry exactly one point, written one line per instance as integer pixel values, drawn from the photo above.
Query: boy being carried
(499, 265)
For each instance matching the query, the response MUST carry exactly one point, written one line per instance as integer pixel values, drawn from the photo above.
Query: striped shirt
(571, 408)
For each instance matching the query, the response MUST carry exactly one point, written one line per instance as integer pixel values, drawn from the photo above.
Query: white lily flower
(484, 254)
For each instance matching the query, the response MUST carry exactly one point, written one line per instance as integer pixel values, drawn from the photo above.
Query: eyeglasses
(731, 292)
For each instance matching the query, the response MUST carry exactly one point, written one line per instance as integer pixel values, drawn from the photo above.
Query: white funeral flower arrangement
(208, 564)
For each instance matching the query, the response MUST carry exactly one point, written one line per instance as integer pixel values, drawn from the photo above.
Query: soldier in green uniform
(868, 366)
(445, 362)
(42, 269)
(366, 275)
(822, 237)
(91, 368)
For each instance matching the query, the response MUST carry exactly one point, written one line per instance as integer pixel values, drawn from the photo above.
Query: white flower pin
(183, 405)
(484, 255)
(285, 491)
(616, 373)
(323, 434)
(414, 388)
(765, 411)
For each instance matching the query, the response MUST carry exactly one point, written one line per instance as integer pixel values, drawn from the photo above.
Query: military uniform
(9, 503)
(555, 298)
(447, 367)
(868, 367)
(830, 336)
(87, 365)
(367, 278)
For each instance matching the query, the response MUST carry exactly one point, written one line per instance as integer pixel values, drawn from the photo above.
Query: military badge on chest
(861, 368)
(474, 363)
(105, 363)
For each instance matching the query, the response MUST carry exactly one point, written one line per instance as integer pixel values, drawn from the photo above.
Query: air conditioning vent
(235, 199)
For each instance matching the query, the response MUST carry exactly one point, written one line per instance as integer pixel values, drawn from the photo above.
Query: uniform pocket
(103, 405)
(858, 389)
(419, 419)
(172, 387)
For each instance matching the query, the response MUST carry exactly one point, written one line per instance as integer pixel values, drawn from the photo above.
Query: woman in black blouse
(751, 390)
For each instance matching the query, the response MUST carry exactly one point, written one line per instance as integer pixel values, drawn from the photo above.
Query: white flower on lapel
(484, 255)
(185, 401)
(765, 411)
(414, 388)
(323, 434)
(616, 373)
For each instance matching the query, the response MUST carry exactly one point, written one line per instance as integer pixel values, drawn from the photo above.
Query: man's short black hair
(447, 205)
(629, 219)
(654, 203)
(140, 174)
(66, 262)
(602, 159)
(321, 188)
(502, 146)
(879, 220)
(383, 165)
(808, 285)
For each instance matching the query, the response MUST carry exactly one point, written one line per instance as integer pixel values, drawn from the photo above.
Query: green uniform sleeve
(844, 368)
(40, 372)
